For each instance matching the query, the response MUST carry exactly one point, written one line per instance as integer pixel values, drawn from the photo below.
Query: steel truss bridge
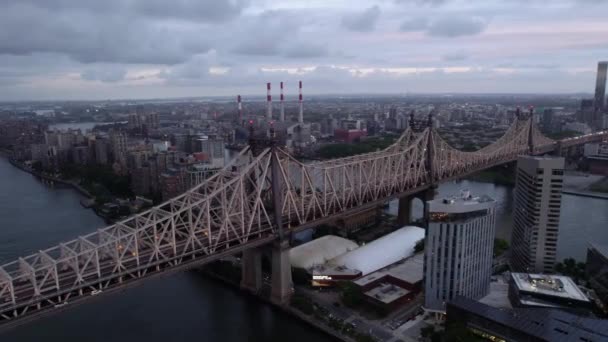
(259, 198)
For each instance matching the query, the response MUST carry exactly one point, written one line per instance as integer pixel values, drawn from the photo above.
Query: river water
(188, 306)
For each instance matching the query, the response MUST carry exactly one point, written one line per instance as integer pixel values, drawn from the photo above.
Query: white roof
(382, 252)
(410, 270)
(319, 251)
(548, 285)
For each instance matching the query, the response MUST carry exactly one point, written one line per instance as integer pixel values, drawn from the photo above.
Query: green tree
(350, 294)
(37, 166)
(569, 267)
(500, 246)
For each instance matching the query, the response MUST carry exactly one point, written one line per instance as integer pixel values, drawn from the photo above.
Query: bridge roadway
(229, 213)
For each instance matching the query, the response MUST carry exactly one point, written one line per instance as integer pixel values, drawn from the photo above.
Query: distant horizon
(294, 97)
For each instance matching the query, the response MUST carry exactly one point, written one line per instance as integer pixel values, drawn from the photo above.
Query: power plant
(293, 134)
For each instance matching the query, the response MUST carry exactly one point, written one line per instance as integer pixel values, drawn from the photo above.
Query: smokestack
(282, 117)
(240, 109)
(301, 107)
(269, 103)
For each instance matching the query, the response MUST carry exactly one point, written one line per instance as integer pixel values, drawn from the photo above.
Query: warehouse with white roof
(382, 252)
(320, 251)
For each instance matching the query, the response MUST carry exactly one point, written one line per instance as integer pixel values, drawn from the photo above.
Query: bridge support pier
(404, 212)
(425, 196)
(282, 285)
(251, 270)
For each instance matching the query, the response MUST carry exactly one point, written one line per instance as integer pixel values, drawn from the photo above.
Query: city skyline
(75, 50)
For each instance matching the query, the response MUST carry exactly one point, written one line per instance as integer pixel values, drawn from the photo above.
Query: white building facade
(458, 249)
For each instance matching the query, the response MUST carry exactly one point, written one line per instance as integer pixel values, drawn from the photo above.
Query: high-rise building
(101, 150)
(458, 249)
(600, 85)
(547, 120)
(538, 198)
(118, 142)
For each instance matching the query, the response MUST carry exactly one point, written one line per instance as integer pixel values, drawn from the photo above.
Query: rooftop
(548, 324)
(387, 293)
(461, 204)
(410, 270)
(382, 252)
(551, 285)
(319, 251)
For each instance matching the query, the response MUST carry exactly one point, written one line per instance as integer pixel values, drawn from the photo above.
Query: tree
(37, 166)
(350, 294)
(569, 267)
(500, 246)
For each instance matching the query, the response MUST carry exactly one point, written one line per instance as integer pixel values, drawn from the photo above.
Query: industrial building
(523, 324)
(394, 285)
(320, 251)
(389, 260)
(536, 211)
(542, 291)
(458, 249)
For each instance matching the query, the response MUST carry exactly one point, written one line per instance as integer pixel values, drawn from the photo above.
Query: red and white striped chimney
(282, 117)
(301, 107)
(240, 109)
(268, 103)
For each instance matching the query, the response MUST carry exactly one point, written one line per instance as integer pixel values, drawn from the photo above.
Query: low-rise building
(543, 291)
(394, 285)
(522, 324)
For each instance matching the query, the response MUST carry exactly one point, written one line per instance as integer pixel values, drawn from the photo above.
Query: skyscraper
(538, 197)
(600, 85)
(458, 250)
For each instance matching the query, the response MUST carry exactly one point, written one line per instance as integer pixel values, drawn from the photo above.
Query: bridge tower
(282, 285)
(531, 132)
(404, 211)
(251, 262)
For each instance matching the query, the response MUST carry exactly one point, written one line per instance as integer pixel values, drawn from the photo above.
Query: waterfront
(582, 220)
(188, 306)
(184, 306)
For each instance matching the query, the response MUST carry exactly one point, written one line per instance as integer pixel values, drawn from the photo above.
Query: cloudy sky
(92, 49)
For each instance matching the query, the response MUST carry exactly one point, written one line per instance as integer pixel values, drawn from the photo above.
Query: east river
(187, 306)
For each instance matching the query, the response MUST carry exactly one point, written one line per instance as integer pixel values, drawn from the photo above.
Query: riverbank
(584, 185)
(287, 309)
(49, 178)
(88, 203)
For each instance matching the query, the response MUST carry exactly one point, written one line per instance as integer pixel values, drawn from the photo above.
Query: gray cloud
(362, 22)
(414, 24)
(306, 50)
(104, 74)
(199, 10)
(266, 34)
(87, 38)
(453, 57)
(456, 26)
(423, 2)
(171, 45)
(208, 10)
